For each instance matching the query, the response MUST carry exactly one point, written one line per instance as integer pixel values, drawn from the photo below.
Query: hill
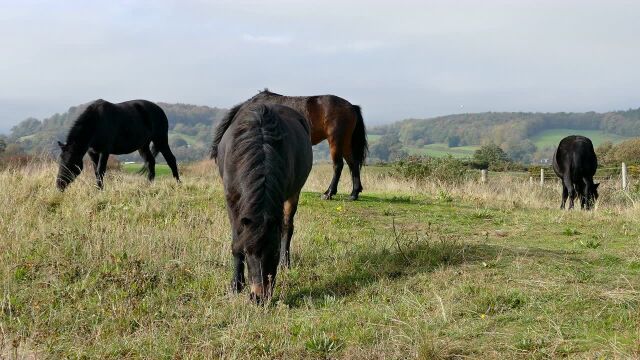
(525, 136)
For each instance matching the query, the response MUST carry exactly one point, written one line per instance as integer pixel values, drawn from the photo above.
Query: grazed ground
(410, 271)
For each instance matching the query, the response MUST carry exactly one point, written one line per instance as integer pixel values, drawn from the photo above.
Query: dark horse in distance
(332, 118)
(105, 128)
(575, 163)
(264, 158)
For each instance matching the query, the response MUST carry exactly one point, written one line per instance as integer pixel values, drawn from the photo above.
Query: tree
(521, 151)
(177, 142)
(388, 148)
(453, 141)
(3, 146)
(490, 156)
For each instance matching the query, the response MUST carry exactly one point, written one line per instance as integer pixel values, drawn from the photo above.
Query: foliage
(509, 130)
(453, 141)
(445, 169)
(388, 148)
(490, 156)
(627, 151)
(3, 145)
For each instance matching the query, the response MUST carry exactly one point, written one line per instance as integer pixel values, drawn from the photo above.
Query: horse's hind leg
(101, 169)
(355, 178)
(149, 162)
(568, 184)
(290, 208)
(565, 195)
(338, 164)
(171, 160)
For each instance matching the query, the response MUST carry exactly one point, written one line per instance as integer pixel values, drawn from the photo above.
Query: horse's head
(591, 196)
(261, 239)
(70, 165)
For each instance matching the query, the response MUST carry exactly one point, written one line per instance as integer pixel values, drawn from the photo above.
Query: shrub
(446, 169)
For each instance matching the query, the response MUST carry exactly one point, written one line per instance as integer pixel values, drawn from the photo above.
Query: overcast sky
(397, 59)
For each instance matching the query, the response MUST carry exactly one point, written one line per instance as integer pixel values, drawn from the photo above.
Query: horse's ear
(62, 145)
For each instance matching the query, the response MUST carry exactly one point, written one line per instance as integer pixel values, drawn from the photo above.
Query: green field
(442, 149)
(161, 169)
(191, 140)
(412, 270)
(551, 138)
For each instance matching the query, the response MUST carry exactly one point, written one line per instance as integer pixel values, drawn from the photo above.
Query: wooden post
(483, 176)
(624, 176)
(541, 177)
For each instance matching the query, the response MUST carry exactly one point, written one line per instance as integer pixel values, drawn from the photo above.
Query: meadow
(413, 270)
(550, 138)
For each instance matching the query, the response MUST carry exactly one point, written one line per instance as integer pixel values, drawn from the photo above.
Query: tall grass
(416, 269)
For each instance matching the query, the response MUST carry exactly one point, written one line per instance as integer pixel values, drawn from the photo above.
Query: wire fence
(621, 174)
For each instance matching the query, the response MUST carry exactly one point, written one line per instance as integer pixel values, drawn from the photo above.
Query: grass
(413, 270)
(161, 169)
(551, 138)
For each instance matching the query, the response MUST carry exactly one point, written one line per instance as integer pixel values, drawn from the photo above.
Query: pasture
(550, 138)
(412, 270)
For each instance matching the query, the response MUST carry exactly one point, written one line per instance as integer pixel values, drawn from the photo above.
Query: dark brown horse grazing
(332, 118)
(105, 128)
(264, 158)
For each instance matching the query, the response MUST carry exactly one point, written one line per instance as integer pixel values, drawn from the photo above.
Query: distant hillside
(526, 137)
(190, 130)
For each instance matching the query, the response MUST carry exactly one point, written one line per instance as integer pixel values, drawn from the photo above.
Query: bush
(446, 169)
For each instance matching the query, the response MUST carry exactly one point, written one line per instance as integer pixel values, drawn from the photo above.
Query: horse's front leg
(237, 281)
(101, 169)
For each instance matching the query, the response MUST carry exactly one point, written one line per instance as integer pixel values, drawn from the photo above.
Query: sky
(397, 59)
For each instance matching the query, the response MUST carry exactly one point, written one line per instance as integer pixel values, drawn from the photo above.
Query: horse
(332, 118)
(575, 162)
(104, 128)
(264, 158)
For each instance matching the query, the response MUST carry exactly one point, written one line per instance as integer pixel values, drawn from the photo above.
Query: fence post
(541, 177)
(483, 176)
(624, 176)
(530, 180)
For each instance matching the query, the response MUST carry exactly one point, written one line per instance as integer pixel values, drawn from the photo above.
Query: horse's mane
(255, 154)
(222, 127)
(82, 128)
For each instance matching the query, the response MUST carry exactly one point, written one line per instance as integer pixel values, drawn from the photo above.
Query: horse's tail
(256, 154)
(154, 150)
(359, 144)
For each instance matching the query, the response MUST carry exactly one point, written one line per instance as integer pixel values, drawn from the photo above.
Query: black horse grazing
(575, 163)
(332, 118)
(264, 159)
(105, 128)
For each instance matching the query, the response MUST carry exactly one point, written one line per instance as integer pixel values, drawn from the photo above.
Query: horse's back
(575, 157)
(294, 148)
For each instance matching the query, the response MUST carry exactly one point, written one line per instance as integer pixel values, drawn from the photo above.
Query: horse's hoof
(353, 197)
(326, 197)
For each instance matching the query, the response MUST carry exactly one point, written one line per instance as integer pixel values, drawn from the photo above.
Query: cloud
(267, 40)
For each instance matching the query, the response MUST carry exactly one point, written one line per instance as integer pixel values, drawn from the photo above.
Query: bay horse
(332, 118)
(104, 128)
(264, 158)
(575, 163)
